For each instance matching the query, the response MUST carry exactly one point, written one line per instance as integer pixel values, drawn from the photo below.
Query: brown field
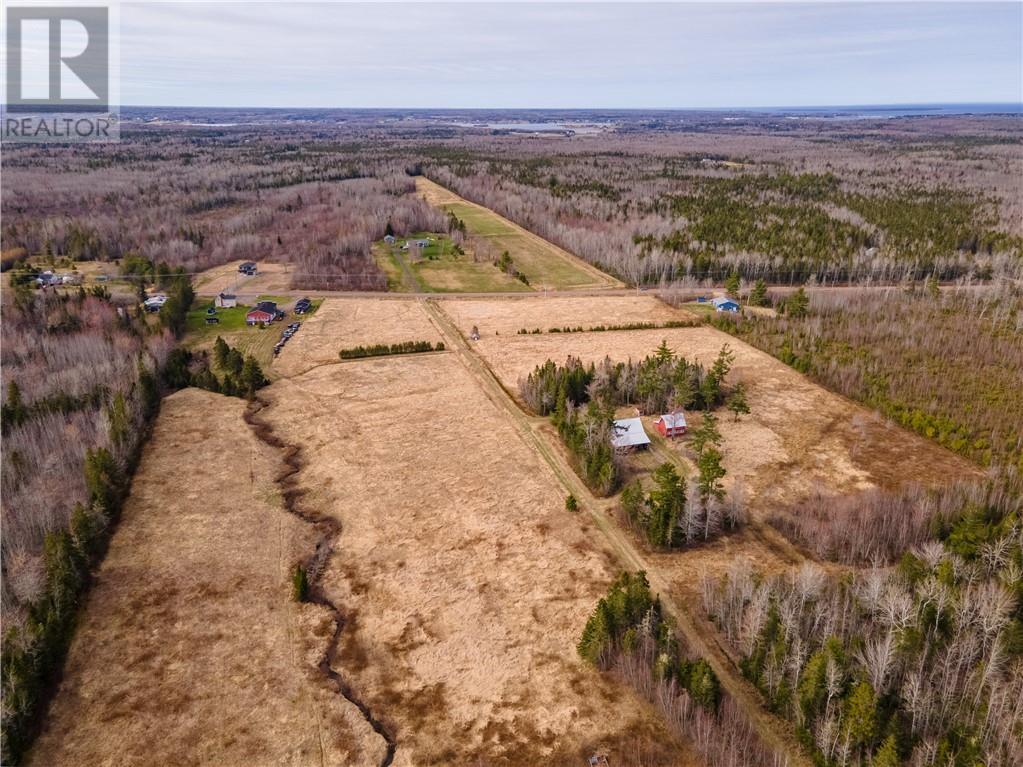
(190, 650)
(466, 582)
(225, 278)
(506, 316)
(799, 436)
(341, 323)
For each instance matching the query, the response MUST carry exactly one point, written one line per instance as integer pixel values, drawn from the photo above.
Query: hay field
(341, 323)
(190, 650)
(799, 436)
(465, 581)
(506, 316)
(226, 278)
(543, 263)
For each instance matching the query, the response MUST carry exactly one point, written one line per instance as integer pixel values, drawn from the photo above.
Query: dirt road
(697, 631)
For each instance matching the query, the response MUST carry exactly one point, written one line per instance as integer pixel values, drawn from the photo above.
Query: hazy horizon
(687, 56)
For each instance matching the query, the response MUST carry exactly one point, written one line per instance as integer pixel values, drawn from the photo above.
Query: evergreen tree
(251, 377)
(737, 401)
(234, 361)
(732, 283)
(667, 503)
(861, 716)
(758, 296)
(119, 421)
(707, 435)
(798, 304)
(888, 754)
(711, 472)
(299, 584)
(103, 478)
(221, 351)
(14, 411)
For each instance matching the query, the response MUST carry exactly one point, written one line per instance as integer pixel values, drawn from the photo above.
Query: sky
(575, 55)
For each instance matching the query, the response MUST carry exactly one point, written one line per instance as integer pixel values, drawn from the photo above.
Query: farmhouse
(629, 434)
(247, 267)
(671, 424)
(263, 312)
(226, 300)
(303, 305)
(726, 305)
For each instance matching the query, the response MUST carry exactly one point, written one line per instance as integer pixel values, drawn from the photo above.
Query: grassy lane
(697, 630)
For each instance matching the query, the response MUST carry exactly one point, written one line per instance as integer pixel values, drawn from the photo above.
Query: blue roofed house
(725, 305)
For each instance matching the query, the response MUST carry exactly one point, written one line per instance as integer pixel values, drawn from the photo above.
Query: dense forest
(194, 199)
(918, 664)
(864, 206)
(945, 364)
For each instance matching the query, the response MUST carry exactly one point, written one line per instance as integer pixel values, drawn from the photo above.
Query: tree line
(629, 635)
(86, 362)
(382, 350)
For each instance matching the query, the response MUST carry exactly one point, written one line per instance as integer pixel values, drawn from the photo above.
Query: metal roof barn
(629, 432)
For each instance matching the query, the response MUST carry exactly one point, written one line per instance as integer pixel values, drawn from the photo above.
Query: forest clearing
(799, 438)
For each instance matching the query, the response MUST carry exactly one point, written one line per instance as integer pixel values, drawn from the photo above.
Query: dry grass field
(226, 278)
(190, 650)
(341, 323)
(799, 436)
(466, 582)
(506, 316)
(545, 264)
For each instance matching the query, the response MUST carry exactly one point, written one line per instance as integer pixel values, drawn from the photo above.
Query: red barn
(671, 424)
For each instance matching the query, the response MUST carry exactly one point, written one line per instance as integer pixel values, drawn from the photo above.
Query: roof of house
(629, 432)
(674, 420)
(156, 301)
(270, 307)
(259, 310)
(724, 300)
(301, 301)
(246, 264)
(228, 295)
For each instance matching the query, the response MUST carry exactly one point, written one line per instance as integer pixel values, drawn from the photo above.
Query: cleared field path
(544, 263)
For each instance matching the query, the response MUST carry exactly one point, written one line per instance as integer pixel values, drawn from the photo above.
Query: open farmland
(342, 323)
(190, 650)
(226, 278)
(465, 581)
(543, 263)
(799, 438)
(506, 316)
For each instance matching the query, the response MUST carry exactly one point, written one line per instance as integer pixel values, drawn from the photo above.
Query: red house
(671, 424)
(264, 311)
